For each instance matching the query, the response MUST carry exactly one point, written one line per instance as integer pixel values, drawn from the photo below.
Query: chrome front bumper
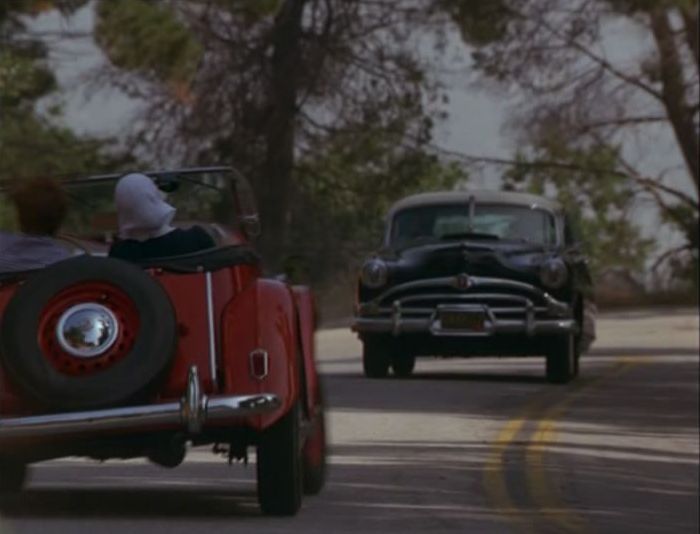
(400, 326)
(402, 309)
(192, 413)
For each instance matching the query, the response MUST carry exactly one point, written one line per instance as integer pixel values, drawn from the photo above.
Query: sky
(476, 112)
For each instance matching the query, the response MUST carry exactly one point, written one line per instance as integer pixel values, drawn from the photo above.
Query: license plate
(469, 321)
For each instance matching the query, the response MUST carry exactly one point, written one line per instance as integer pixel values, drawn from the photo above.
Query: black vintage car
(475, 274)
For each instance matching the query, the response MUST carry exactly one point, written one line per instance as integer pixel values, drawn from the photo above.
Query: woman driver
(41, 206)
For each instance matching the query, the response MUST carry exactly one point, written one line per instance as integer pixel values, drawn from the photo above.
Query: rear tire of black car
(13, 474)
(131, 379)
(279, 466)
(403, 365)
(561, 365)
(577, 363)
(376, 358)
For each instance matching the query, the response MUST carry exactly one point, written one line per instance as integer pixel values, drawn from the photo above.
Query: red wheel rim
(101, 293)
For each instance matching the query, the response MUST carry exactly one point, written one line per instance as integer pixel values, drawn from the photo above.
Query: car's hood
(513, 260)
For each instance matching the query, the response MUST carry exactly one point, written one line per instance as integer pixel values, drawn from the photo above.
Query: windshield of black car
(205, 197)
(488, 221)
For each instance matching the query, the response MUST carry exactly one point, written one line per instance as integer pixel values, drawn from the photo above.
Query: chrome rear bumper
(192, 413)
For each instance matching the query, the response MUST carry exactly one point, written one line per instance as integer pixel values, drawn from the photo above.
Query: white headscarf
(141, 211)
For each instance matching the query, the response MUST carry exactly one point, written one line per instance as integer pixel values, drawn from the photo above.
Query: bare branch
(668, 254)
(604, 63)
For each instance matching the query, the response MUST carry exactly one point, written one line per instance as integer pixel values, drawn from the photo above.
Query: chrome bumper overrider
(192, 413)
(402, 310)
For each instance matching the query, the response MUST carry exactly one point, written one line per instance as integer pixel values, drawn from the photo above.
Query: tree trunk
(275, 184)
(679, 112)
(690, 23)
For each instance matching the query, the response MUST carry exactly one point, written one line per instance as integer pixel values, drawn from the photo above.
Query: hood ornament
(463, 281)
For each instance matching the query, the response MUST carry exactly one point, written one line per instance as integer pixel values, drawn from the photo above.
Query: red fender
(306, 309)
(263, 316)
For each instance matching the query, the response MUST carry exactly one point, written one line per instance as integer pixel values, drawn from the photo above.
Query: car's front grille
(503, 298)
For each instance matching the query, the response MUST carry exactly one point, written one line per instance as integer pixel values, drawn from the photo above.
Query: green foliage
(31, 145)
(347, 184)
(553, 52)
(597, 198)
(323, 104)
(147, 37)
(22, 78)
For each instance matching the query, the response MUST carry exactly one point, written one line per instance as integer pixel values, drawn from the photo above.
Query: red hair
(41, 206)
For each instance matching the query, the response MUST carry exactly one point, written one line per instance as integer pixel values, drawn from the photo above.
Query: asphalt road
(482, 445)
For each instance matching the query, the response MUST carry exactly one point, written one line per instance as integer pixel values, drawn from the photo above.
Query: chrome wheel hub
(87, 330)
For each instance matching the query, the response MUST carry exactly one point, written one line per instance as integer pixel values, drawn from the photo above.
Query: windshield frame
(556, 220)
(5, 185)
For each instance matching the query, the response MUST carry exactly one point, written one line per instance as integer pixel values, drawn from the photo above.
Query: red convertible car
(107, 359)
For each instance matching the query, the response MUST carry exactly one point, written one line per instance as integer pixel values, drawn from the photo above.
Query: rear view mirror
(168, 183)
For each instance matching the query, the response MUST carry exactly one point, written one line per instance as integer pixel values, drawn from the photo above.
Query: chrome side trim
(192, 413)
(210, 324)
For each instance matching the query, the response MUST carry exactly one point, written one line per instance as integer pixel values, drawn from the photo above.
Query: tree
(271, 86)
(597, 204)
(32, 144)
(346, 182)
(589, 99)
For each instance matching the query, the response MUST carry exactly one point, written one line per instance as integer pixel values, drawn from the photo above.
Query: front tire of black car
(376, 358)
(562, 360)
(279, 466)
(403, 365)
(13, 474)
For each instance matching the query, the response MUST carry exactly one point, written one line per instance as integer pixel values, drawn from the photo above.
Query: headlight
(554, 273)
(374, 273)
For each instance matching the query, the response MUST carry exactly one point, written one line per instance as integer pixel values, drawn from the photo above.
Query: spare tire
(88, 333)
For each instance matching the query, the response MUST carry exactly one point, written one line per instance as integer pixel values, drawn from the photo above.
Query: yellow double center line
(546, 503)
